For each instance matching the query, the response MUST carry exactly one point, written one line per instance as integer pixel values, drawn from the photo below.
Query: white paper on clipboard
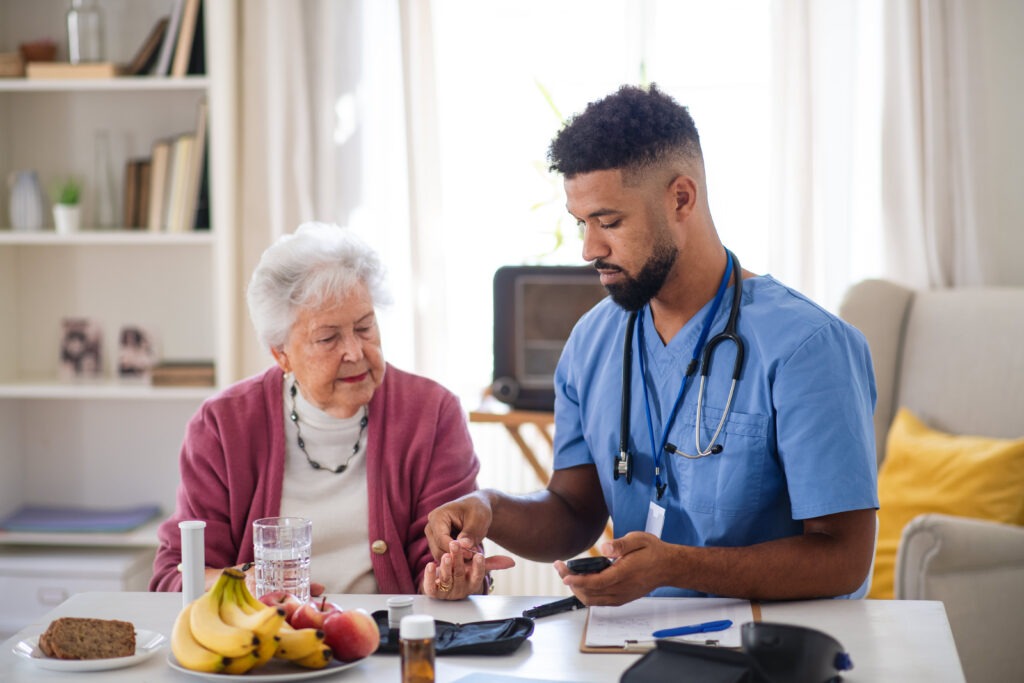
(632, 624)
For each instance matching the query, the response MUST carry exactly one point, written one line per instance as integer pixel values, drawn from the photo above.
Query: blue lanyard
(690, 369)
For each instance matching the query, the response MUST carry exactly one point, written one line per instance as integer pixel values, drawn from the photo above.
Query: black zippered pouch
(498, 637)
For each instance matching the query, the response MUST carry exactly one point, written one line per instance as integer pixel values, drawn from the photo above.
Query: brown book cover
(187, 32)
(142, 217)
(131, 193)
(183, 373)
(56, 70)
(146, 55)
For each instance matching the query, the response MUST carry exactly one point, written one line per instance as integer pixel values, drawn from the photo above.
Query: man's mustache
(604, 265)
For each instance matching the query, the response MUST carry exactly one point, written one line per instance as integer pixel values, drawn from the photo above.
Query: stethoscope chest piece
(623, 467)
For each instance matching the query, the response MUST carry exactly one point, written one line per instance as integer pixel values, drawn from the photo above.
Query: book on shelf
(183, 373)
(136, 193)
(147, 54)
(163, 61)
(197, 60)
(202, 221)
(179, 166)
(197, 157)
(68, 519)
(52, 70)
(131, 193)
(142, 210)
(159, 159)
(186, 34)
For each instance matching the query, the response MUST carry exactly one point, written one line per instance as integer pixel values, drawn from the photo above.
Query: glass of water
(282, 546)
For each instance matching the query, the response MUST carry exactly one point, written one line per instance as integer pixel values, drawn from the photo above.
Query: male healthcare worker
(771, 493)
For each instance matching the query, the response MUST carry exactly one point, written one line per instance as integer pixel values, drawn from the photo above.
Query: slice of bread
(82, 638)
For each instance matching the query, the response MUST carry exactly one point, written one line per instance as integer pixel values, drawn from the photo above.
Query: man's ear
(682, 195)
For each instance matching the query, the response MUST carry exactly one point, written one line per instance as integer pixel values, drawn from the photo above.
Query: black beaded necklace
(302, 444)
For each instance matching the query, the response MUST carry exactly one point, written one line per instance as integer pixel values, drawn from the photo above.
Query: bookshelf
(109, 442)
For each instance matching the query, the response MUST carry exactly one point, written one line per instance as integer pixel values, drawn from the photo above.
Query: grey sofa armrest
(976, 568)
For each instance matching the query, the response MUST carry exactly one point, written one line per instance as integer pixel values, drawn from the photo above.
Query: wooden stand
(544, 423)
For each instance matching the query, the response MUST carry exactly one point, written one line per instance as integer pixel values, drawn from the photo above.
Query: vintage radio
(535, 308)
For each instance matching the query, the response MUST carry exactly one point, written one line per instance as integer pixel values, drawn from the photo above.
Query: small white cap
(400, 601)
(398, 607)
(417, 627)
(192, 524)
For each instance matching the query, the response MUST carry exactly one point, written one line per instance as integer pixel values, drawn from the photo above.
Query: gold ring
(444, 587)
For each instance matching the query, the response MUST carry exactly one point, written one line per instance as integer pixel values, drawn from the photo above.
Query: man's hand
(465, 520)
(635, 572)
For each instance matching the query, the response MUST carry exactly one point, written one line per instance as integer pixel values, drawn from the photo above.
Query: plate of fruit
(227, 633)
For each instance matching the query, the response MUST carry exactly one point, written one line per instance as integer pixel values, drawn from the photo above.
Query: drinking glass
(282, 546)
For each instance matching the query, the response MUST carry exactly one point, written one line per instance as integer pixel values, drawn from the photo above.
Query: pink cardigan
(419, 455)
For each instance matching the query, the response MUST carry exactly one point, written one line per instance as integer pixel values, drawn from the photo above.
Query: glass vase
(85, 32)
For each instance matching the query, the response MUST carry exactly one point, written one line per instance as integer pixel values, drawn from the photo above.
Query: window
(508, 71)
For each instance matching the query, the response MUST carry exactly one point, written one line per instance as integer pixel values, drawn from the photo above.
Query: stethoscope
(623, 465)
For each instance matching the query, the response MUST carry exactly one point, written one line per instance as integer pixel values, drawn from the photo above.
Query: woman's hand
(461, 572)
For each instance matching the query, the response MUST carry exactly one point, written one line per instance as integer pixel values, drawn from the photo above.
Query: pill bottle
(416, 645)
(399, 607)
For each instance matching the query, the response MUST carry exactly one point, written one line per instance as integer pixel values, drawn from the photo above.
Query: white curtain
(825, 125)
(324, 101)
(929, 173)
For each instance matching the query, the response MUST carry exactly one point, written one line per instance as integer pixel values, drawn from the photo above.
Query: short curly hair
(632, 129)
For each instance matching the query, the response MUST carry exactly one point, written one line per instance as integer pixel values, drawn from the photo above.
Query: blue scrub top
(798, 441)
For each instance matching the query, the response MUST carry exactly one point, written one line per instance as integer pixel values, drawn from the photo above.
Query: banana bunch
(227, 630)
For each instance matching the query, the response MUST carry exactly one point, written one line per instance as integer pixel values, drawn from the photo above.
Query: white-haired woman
(331, 433)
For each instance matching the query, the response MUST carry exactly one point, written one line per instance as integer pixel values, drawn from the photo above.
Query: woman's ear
(282, 359)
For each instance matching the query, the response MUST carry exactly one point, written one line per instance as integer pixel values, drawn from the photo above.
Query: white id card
(655, 519)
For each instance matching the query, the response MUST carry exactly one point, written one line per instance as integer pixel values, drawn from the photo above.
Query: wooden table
(889, 640)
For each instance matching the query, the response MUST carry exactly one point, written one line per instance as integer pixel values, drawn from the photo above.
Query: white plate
(274, 670)
(146, 643)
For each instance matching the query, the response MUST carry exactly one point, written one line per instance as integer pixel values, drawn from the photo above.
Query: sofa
(955, 358)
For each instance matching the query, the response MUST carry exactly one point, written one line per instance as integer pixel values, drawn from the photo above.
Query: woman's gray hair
(318, 262)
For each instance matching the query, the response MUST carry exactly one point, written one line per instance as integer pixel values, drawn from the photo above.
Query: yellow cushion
(928, 471)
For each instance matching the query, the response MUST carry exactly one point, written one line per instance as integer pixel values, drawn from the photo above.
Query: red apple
(283, 599)
(313, 613)
(351, 634)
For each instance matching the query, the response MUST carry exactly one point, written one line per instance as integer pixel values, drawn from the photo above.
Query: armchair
(956, 359)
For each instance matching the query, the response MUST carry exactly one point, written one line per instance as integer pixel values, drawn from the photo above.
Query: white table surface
(901, 641)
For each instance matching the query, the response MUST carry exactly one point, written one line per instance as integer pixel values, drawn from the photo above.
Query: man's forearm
(808, 566)
(540, 526)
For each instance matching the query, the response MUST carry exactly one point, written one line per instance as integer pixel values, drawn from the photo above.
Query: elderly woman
(331, 433)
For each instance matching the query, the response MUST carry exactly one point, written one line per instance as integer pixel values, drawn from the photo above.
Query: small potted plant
(66, 209)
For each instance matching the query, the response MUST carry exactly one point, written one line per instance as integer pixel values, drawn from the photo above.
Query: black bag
(771, 653)
(671, 660)
(499, 637)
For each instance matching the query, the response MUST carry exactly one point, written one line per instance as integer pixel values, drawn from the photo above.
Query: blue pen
(706, 627)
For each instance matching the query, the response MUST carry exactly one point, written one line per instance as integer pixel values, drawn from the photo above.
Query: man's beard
(634, 293)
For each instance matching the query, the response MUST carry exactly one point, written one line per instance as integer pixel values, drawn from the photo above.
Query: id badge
(655, 519)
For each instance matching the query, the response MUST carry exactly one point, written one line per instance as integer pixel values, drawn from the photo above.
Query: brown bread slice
(83, 638)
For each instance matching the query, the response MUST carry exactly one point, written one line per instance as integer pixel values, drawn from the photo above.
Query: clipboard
(634, 622)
